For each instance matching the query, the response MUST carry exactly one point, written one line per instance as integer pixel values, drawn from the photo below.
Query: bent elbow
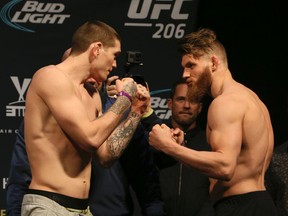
(89, 144)
(226, 173)
(227, 177)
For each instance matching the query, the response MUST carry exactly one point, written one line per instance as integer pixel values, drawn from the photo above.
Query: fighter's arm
(225, 138)
(149, 118)
(225, 118)
(64, 101)
(121, 136)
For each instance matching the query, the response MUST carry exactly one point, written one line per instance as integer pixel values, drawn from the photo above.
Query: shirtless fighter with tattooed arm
(64, 128)
(238, 129)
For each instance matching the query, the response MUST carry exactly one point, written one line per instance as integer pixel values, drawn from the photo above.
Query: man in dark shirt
(184, 190)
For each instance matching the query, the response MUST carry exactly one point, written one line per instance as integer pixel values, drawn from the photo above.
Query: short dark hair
(181, 80)
(93, 31)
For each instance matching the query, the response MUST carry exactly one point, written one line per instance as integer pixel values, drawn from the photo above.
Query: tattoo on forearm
(120, 105)
(130, 88)
(122, 135)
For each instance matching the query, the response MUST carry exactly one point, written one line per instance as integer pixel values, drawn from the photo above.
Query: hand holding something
(149, 109)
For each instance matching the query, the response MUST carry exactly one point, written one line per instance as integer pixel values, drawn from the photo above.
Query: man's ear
(96, 47)
(215, 62)
(94, 50)
(169, 103)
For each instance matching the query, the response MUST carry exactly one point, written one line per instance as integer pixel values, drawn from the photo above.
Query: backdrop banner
(36, 33)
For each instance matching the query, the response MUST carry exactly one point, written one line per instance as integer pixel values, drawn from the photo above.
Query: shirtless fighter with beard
(238, 129)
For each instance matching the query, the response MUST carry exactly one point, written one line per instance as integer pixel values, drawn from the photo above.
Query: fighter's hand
(111, 86)
(161, 137)
(178, 135)
(142, 100)
(127, 85)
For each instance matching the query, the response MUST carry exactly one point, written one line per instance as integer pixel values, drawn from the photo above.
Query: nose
(114, 65)
(186, 103)
(186, 74)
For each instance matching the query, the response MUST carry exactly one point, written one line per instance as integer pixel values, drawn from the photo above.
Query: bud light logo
(159, 103)
(32, 12)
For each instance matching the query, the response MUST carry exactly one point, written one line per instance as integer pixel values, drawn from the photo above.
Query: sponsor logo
(32, 12)
(17, 108)
(159, 103)
(146, 13)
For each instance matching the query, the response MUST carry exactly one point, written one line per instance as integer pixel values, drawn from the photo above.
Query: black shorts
(65, 201)
(258, 203)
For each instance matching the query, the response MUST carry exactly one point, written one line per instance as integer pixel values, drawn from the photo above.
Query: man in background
(184, 190)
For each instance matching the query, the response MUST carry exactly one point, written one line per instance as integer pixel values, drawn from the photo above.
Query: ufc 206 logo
(152, 9)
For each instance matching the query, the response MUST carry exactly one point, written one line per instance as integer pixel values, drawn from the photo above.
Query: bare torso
(57, 164)
(255, 149)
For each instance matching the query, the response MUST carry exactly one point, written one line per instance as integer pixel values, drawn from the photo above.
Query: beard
(200, 88)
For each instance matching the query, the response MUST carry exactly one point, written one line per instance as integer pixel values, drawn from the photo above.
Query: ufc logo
(141, 11)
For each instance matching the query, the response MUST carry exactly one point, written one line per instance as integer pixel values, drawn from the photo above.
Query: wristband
(123, 93)
(146, 115)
